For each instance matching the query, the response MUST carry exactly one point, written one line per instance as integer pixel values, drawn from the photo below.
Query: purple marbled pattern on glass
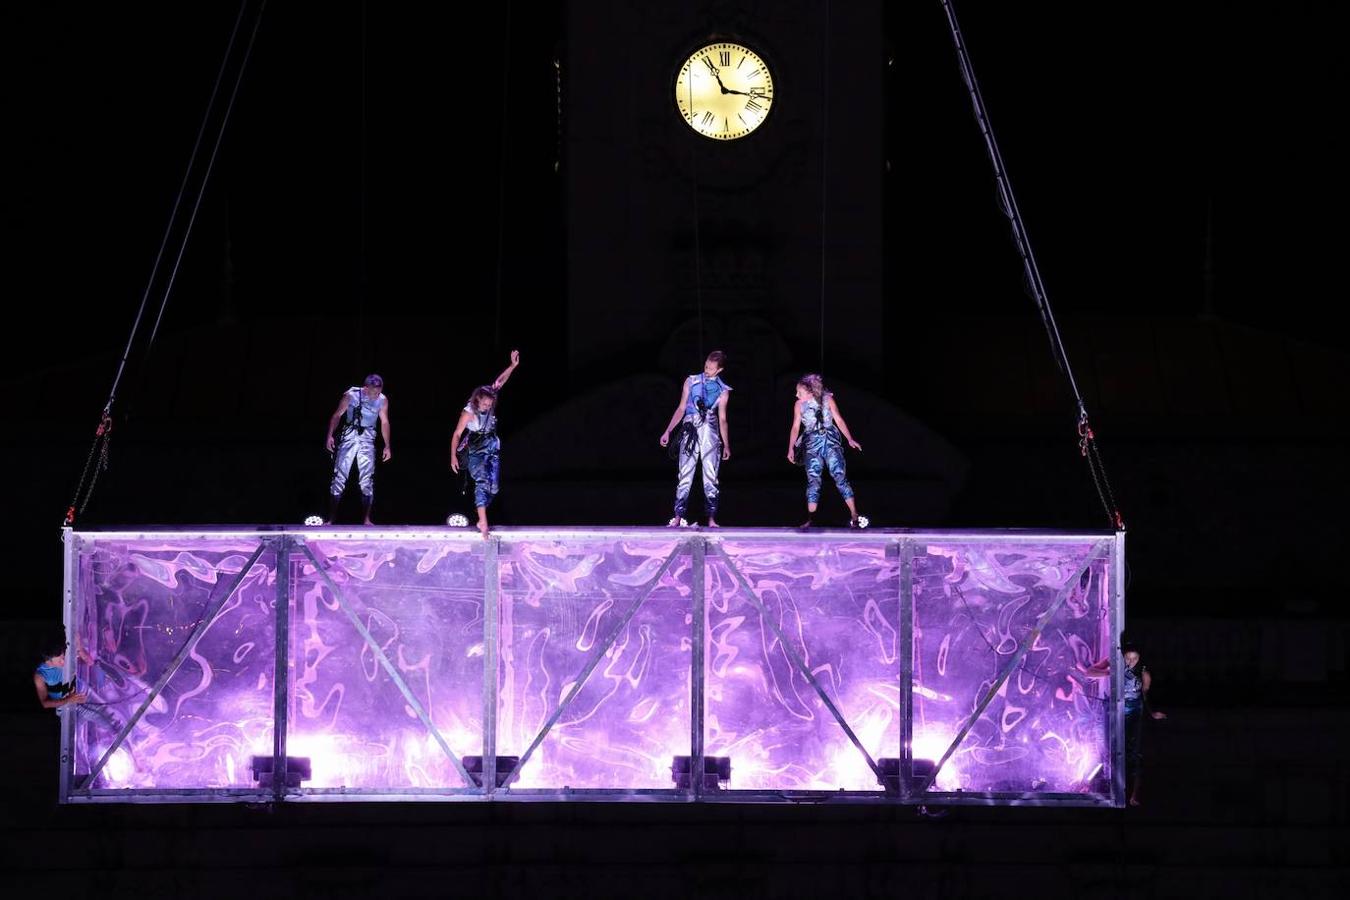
(974, 605)
(559, 602)
(142, 601)
(836, 597)
(422, 603)
(837, 604)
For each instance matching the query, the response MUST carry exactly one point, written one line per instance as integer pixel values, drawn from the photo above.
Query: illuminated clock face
(724, 91)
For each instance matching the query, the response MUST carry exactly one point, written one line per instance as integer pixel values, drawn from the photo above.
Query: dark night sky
(1178, 162)
(1124, 128)
(361, 176)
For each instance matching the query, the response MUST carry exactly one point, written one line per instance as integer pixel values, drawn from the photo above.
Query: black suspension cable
(501, 176)
(103, 433)
(698, 251)
(206, 178)
(1087, 443)
(698, 238)
(364, 263)
(824, 171)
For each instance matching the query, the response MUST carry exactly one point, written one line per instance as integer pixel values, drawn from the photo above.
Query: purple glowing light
(388, 652)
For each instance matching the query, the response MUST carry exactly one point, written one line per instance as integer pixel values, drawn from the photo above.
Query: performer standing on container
(816, 442)
(358, 411)
(699, 427)
(476, 436)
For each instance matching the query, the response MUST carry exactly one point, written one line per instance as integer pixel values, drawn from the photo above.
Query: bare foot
(712, 523)
(806, 524)
(1134, 801)
(367, 522)
(483, 528)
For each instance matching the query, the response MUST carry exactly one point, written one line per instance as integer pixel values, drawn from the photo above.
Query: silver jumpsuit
(705, 447)
(357, 444)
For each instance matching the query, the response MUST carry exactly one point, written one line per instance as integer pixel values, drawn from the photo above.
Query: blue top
(709, 390)
(56, 681)
(1133, 684)
(816, 416)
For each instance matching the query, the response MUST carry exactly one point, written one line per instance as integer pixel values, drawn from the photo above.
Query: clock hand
(715, 74)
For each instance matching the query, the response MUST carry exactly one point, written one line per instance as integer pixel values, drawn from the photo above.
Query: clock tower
(723, 167)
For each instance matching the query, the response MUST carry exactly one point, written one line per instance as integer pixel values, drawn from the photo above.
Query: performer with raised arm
(476, 437)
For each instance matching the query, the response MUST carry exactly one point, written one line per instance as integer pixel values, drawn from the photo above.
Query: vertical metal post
(906, 552)
(281, 673)
(491, 636)
(69, 620)
(1117, 705)
(697, 693)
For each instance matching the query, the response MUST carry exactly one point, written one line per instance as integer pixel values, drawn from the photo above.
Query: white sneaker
(677, 522)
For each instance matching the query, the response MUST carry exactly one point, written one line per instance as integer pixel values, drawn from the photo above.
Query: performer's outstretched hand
(386, 456)
(665, 438)
(81, 653)
(330, 444)
(792, 457)
(454, 463)
(515, 358)
(726, 452)
(855, 445)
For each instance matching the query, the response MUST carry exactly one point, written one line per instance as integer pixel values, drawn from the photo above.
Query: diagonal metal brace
(212, 610)
(322, 570)
(599, 654)
(798, 662)
(1011, 667)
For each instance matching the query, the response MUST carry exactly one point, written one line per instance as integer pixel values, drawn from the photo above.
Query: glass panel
(976, 604)
(422, 603)
(140, 602)
(559, 602)
(835, 596)
(837, 604)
